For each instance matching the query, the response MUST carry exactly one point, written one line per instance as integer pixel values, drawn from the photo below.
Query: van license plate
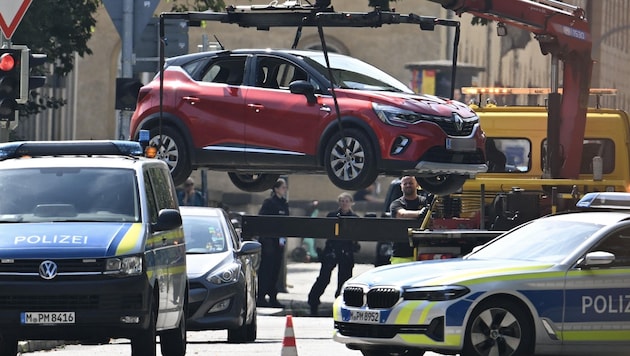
(461, 144)
(47, 318)
(365, 316)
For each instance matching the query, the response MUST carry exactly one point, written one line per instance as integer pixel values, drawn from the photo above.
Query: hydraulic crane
(562, 31)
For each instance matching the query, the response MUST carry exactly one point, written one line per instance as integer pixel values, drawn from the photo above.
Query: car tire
(253, 183)
(173, 342)
(510, 332)
(143, 344)
(8, 345)
(173, 151)
(442, 184)
(246, 332)
(353, 170)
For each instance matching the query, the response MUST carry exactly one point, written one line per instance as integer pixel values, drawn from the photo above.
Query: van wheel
(143, 344)
(173, 342)
(442, 184)
(173, 151)
(8, 345)
(253, 183)
(350, 161)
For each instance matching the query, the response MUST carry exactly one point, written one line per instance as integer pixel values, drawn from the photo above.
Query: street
(312, 336)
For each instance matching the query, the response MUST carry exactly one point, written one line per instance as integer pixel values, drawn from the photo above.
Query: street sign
(11, 13)
(142, 13)
(147, 49)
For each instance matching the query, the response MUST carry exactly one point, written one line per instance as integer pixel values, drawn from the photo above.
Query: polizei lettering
(606, 304)
(51, 239)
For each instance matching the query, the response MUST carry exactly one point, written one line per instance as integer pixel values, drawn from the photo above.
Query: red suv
(260, 113)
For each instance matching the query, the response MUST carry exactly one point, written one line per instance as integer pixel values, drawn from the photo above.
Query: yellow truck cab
(515, 188)
(91, 246)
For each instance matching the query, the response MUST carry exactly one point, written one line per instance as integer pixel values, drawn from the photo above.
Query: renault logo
(48, 270)
(458, 121)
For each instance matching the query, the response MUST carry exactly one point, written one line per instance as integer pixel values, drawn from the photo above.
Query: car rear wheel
(499, 327)
(442, 184)
(172, 150)
(253, 182)
(350, 160)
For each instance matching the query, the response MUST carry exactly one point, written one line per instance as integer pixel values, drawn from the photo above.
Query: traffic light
(35, 76)
(127, 93)
(10, 82)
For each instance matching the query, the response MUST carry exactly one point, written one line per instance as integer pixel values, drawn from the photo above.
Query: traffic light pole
(4, 125)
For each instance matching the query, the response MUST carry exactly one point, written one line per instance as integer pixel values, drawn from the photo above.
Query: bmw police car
(91, 246)
(556, 285)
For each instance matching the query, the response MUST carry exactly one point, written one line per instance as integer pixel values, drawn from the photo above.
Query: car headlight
(394, 116)
(125, 266)
(225, 275)
(435, 293)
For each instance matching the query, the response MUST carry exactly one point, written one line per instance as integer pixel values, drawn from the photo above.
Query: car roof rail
(65, 148)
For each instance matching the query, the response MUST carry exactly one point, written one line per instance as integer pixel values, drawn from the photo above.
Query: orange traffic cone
(288, 343)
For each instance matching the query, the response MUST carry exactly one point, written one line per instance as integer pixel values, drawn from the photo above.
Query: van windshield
(68, 194)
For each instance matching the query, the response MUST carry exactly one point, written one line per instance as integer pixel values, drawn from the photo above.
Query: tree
(58, 28)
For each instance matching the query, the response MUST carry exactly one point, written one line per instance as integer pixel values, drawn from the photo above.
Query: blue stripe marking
(548, 303)
(456, 312)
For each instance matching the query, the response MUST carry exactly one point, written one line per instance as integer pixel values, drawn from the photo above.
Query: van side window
(602, 147)
(152, 207)
(508, 155)
(165, 198)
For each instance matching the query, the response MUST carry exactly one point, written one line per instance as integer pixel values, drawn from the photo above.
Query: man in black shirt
(410, 205)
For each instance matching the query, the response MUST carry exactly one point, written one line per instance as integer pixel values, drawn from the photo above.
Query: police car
(91, 246)
(556, 285)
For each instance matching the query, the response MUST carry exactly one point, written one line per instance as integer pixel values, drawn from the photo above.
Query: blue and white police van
(91, 246)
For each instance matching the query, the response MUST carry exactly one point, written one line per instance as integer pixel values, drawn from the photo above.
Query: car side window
(277, 73)
(225, 70)
(618, 244)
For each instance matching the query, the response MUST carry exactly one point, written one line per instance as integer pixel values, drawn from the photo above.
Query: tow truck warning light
(528, 91)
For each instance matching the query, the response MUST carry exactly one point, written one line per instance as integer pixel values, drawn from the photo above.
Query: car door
(597, 299)
(214, 108)
(282, 129)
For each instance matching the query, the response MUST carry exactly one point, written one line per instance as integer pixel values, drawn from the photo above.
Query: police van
(91, 246)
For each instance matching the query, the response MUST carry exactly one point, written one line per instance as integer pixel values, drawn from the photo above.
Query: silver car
(556, 285)
(222, 274)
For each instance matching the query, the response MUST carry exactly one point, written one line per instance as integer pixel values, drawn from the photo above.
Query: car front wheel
(172, 149)
(350, 160)
(499, 327)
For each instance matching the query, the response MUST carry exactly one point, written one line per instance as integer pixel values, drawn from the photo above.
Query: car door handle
(192, 99)
(256, 107)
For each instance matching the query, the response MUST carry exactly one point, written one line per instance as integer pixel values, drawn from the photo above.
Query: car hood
(198, 264)
(70, 239)
(427, 104)
(444, 272)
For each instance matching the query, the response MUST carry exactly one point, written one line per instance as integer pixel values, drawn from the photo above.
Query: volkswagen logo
(458, 122)
(48, 269)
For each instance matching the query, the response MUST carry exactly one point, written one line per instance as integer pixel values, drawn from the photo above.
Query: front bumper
(99, 307)
(203, 296)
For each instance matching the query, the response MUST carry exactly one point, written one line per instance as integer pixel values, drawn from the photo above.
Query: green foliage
(196, 5)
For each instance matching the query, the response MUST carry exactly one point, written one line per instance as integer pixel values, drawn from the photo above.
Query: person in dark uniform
(272, 248)
(336, 253)
(411, 205)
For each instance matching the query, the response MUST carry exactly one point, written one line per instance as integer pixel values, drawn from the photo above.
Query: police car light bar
(61, 148)
(527, 91)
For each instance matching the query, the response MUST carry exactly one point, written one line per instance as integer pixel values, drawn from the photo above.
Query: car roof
(594, 217)
(179, 60)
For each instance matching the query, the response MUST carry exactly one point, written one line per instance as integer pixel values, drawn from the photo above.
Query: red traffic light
(7, 62)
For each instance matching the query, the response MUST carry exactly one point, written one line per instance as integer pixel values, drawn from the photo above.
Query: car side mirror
(305, 88)
(167, 219)
(597, 258)
(249, 248)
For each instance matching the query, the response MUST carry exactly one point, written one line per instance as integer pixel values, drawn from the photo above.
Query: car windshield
(351, 73)
(68, 194)
(204, 234)
(543, 240)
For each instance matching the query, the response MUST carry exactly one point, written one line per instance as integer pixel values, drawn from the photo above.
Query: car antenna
(219, 42)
